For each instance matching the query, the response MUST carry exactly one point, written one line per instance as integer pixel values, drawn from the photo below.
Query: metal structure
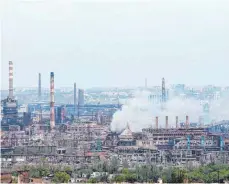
(166, 122)
(52, 110)
(10, 105)
(75, 102)
(11, 89)
(157, 122)
(163, 95)
(177, 121)
(81, 97)
(39, 87)
(146, 85)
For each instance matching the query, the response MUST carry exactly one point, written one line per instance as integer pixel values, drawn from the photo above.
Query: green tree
(68, 170)
(61, 177)
(119, 179)
(92, 180)
(113, 165)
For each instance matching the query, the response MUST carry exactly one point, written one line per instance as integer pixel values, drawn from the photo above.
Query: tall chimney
(39, 87)
(11, 89)
(187, 122)
(52, 110)
(146, 83)
(176, 121)
(166, 122)
(156, 122)
(201, 121)
(75, 102)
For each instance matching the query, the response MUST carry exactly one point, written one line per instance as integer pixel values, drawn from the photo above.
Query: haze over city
(115, 91)
(116, 43)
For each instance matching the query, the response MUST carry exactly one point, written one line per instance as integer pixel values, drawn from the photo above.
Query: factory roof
(127, 133)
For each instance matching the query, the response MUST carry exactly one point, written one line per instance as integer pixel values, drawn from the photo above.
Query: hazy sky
(114, 43)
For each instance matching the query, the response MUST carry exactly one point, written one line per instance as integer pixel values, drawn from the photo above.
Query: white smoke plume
(140, 113)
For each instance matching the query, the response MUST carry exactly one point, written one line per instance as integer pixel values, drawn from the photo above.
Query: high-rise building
(81, 97)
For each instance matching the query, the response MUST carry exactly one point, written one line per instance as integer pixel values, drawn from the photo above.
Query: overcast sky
(116, 44)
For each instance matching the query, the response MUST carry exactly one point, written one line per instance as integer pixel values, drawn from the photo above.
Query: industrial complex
(79, 134)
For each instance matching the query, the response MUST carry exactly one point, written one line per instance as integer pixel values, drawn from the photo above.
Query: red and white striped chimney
(11, 89)
(52, 110)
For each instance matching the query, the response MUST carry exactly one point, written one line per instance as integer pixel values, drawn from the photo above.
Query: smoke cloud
(139, 112)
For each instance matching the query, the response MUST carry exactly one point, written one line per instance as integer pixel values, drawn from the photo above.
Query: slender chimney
(201, 121)
(166, 122)
(52, 110)
(11, 89)
(39, 87)
(177, 122)
(156, 122)
(187, 122)
(146, 83)
(75, 102)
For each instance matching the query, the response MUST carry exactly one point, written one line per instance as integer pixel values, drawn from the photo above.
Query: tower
(166, 122)
(177, 126)
(75, 102)
(52, 110)
(10, 110)
(81, 97)
(39, 87)
(156, 122)
(163, 94)
(146, 83)
(11, 89)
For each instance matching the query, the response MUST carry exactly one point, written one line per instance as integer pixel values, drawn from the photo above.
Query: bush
(61, 177)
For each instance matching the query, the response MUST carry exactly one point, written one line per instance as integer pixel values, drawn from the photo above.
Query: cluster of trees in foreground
(211, 173)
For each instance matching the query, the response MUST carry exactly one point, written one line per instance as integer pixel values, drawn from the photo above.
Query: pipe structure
(156, 122)
(52, 110)
(75, 102)
(187, 122)
(166, 122)
(62, 114)
(201, 122)
(177, 122)
(39, 87)
(11, 89)
(146, 86)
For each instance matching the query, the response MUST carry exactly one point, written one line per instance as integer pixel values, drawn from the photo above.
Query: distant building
(81, 97)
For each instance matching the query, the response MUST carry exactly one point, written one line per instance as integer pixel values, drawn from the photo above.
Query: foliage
(146, 173)
(68, 170)
(61, 177)
(119, 179)
(92, 180)
(210, 173)
(38, 172)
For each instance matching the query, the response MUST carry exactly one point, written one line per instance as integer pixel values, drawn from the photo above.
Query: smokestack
(163, 95)
(201, 122)
(176, 121)
(156, 122)
(187, 122)
(166, 122)
(39, 87)
(75, 102)
(81, 97)
(146, 83)
(11, 89)
(52, 110)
